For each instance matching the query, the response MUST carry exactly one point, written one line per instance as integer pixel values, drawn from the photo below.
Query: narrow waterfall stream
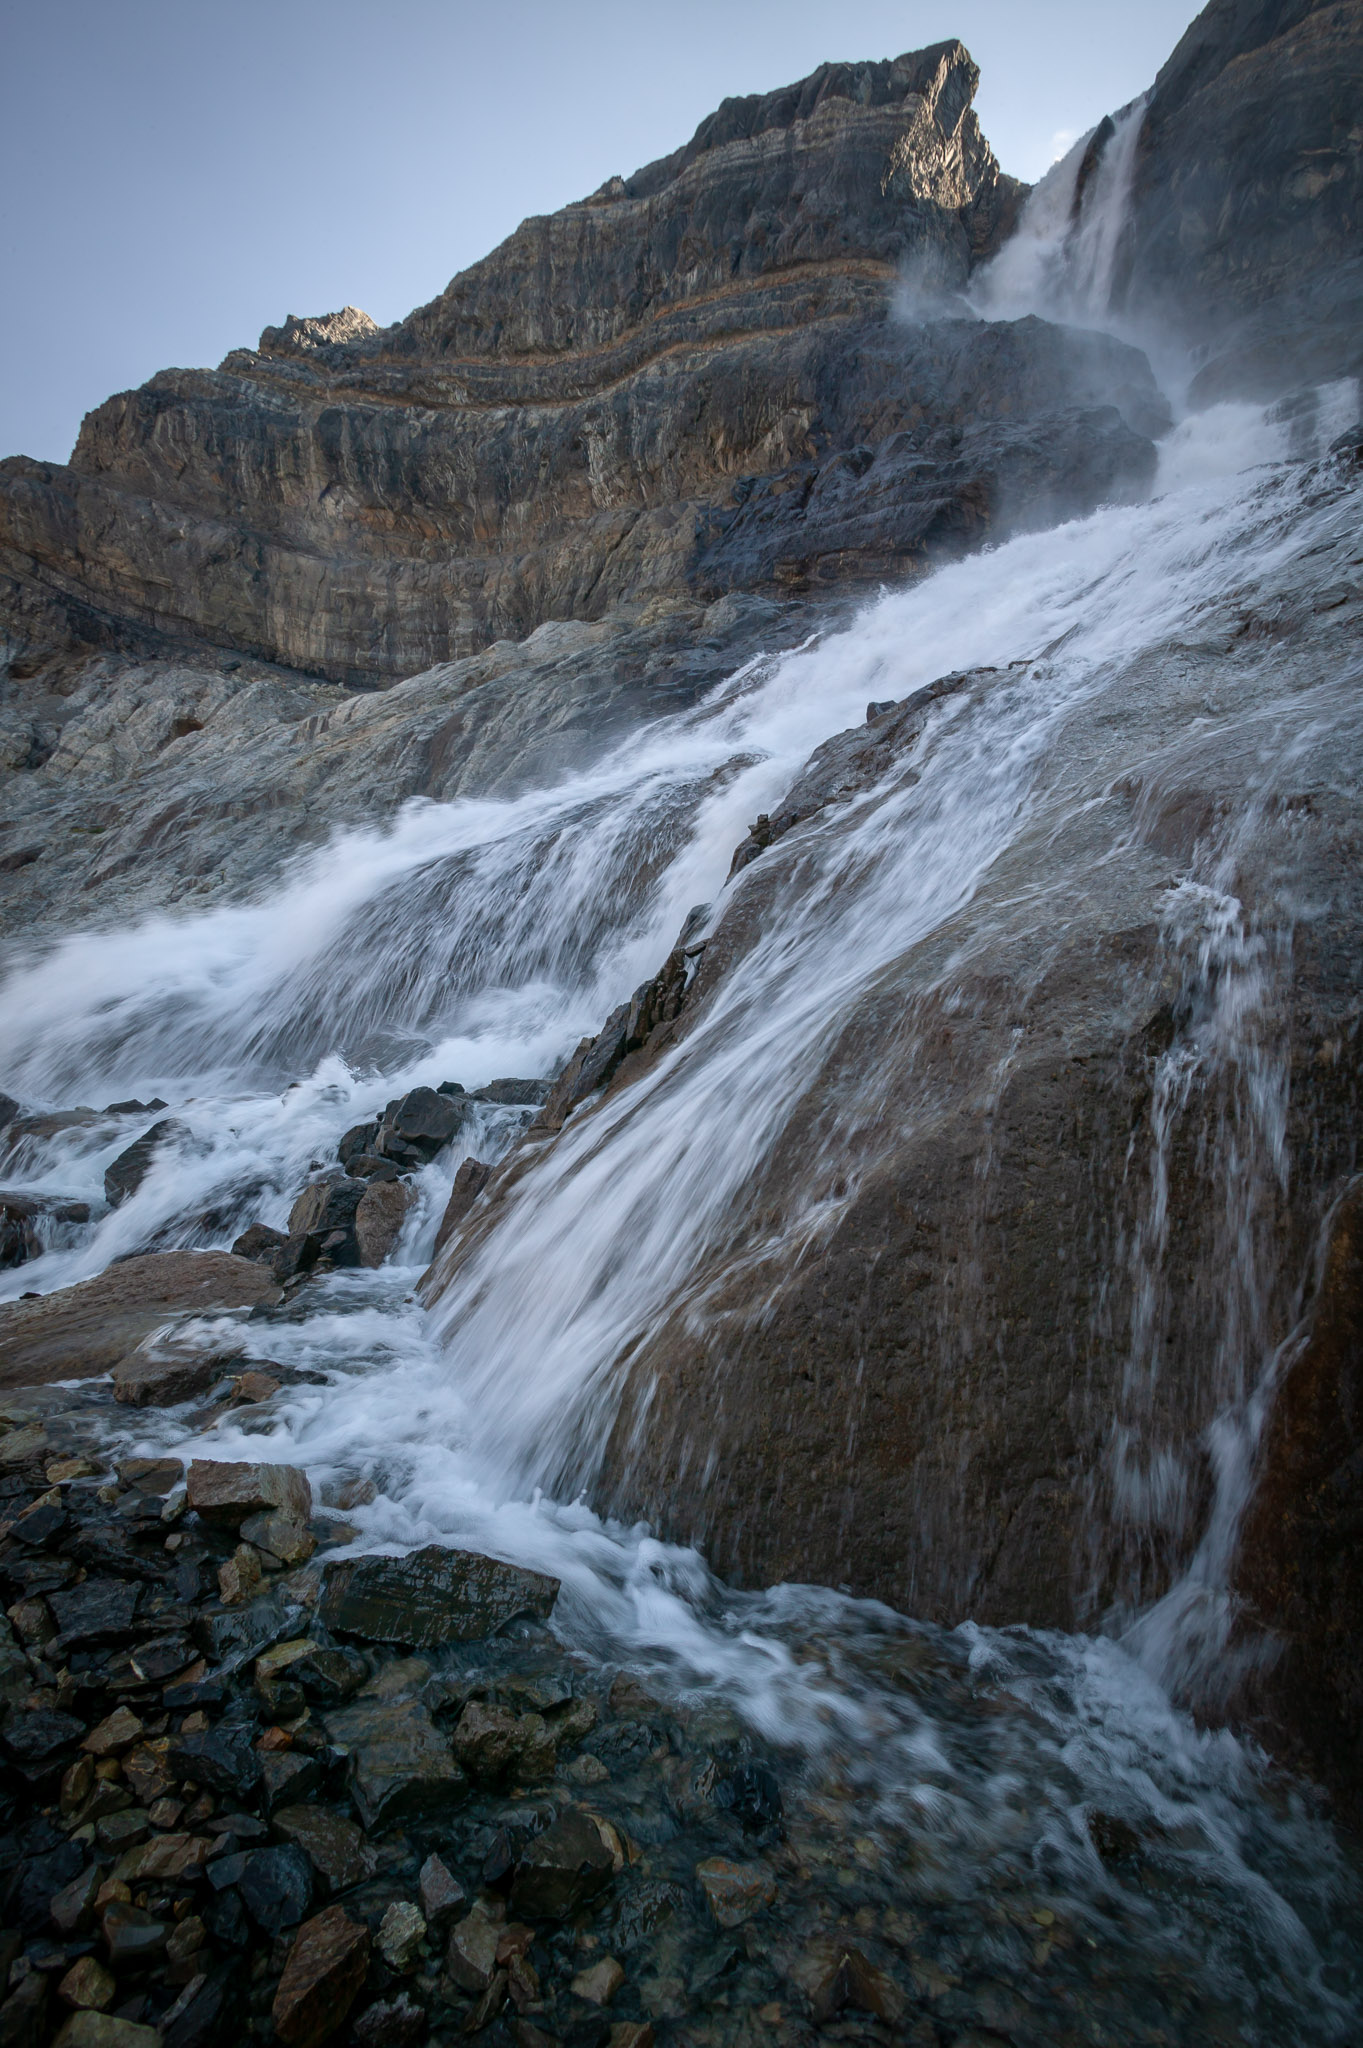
(982, 1775)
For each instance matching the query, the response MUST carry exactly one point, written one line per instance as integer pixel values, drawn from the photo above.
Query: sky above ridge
(177, 174)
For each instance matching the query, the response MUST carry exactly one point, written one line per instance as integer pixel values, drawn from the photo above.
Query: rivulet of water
(479, 938)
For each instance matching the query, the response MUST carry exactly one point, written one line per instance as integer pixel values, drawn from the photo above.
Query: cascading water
(482, 938)
(1063, 259)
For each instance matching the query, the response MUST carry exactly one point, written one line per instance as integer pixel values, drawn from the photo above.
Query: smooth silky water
(1172, 1886)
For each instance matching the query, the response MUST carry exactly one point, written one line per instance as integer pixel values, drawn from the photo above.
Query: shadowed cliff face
(688, 384)
(1246, 228)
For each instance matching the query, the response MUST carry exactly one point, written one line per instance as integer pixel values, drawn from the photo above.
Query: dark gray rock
(40, 1734)
(225, 1761)
(1248, 185)
(431, 1597)
(131, 1167)
(333, 1845)
(96, 1611)
(398, 1763)
(276, 1887)
(561, 1869)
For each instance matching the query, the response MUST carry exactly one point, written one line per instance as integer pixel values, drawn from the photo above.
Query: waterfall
(1062, 262)
(482, 938)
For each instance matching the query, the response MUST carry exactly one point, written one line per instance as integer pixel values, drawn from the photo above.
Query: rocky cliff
(690, 383)
(1245, 234)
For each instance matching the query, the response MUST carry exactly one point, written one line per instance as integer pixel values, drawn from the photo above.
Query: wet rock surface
(94, 1327)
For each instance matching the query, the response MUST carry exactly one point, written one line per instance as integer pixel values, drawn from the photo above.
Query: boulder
(431, 1597)
(326, 1205)
(325, 1970)
(131, 1167)
(99, 1610)
(333, 1845)
(398, 1761)
(493, 1744)
(439, 1894)
(259, 1241)
(225, 1493)
(418, 1125)
(735, 1891)
(81, 1332)
(562, 1869)
(379, 1218)
(149, 1380)
(105, 2030)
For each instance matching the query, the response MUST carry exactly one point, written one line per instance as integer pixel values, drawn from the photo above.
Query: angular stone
(276, 1887)
(155, 1476)
(157, 1661)
(232, 1635)
(105, 2030)
(147, 1769)
(239, 1577)
(187, 1937)
(97, 1611)
(326, 1205)
(225, 1494)
(258, 1241)
(393, 2022)
(289, 1777)
(379, 1219)
(40, 1525)
(401, 1933)
(144, 1381)
(735, 1891)
(334, 1846)
(254, 1387)
(132, 1936)
(561, 1869)
(88, 1986)
(492, 1743)
(399, 1763)
(439, 1893)
(330, 1677)
(432, 1597)
(851, 1980)
(471, 1952)
(325, 1970)
(632, 2034)
(73, 1908)
(42, 1733)
(123, 1830)
(223, 1760)
(164, 1859)
(286, 1538)
(115, 1733)
(132, 1166)
(599, 1983)
(419, 1125)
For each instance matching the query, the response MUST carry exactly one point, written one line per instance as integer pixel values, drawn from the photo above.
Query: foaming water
(478, 939)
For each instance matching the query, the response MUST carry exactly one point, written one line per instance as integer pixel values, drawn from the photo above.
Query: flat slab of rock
(81, 1332)
(326, 1968)
(431, 1597)
(226, 1493)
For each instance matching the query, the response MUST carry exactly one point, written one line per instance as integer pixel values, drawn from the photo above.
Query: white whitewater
(479, 939)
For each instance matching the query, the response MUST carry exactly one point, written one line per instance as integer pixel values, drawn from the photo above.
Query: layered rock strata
(690, 383)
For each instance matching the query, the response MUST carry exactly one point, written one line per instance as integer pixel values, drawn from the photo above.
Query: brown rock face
(80, 1332)
(1301, 1564)
(676, 387)
(325, 1969)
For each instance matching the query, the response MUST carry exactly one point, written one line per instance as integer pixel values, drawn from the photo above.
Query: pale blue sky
(176, 174)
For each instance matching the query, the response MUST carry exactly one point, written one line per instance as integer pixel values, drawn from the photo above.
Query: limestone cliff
(687, 384)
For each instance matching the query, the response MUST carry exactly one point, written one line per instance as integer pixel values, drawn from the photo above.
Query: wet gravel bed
(254, 1790)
